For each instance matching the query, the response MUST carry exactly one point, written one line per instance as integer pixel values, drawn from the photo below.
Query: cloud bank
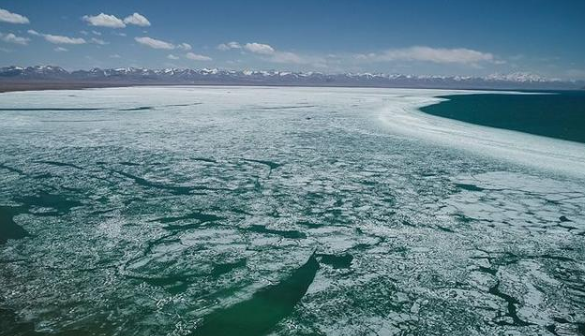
(228, 46)
(98, 41)
(160, 44)
(259, 48)
(59, 39)
(184, 46)
(154, 43)
(11, 38)
(268, 53)
(104, 20)
(9, 17)
(137, 20)
(429, 54)
(197, 57)
(112, 21)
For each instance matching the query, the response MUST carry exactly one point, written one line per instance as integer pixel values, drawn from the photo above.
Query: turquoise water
(558, 115)
(273, 211)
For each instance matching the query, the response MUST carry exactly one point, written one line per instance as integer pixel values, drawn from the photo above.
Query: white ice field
(148, 208)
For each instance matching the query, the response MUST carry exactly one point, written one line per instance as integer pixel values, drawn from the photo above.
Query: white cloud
(104, 20)
(287, 57)
(60, 49)
(259, 48)
(266, 50)
(172, 57)
(428, 54)
(159, 44)
(197, 57)
(270, 54)
(58, 39)
(98, 41)
(184, 46)
(96, 33)
(153, 43)
(6, 16)
(137, 20)
(229, 45)
(115, 56)
(11, 38)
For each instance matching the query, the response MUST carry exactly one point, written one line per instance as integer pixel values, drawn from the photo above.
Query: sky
(419, 37)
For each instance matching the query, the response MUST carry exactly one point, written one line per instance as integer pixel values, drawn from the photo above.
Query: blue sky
(413, 37)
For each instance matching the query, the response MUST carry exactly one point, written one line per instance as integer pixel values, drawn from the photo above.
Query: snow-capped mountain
(140, 76)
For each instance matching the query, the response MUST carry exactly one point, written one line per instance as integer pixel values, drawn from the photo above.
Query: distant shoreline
(46, 77)
(19, 86)
(42, 86)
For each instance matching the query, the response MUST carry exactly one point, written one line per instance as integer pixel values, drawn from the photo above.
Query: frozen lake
(286, 211)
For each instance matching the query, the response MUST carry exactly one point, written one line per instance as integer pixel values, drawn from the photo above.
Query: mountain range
(43, 75)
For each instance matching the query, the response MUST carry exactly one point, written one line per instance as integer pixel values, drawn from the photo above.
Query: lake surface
(559, 115)
(282, 211)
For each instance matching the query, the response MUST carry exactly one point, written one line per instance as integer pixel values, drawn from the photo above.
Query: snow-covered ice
(149, 209)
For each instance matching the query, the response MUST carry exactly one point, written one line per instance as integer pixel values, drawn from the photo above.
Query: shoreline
(6, 87)
(21, 86)
(530, 150)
